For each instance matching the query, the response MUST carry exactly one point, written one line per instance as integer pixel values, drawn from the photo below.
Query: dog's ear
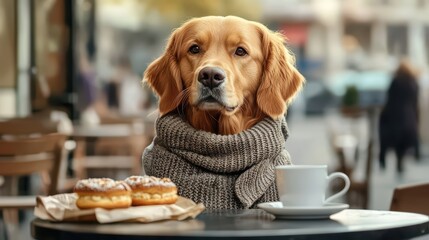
(163, 76)
(280, 79)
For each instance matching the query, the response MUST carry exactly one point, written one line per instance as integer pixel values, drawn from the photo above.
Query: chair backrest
(358, 194)
(27, 126)
(24, 156)
(411, 198)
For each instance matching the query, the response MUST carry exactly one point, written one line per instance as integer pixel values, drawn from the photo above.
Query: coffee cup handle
(346, 179)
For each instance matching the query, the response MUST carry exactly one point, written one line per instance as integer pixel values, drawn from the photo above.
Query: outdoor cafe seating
(22, 157)
(39, 148)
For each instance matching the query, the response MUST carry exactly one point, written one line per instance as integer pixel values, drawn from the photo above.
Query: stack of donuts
(133, 191)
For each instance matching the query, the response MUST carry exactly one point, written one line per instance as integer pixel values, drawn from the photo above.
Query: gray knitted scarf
(221, 171)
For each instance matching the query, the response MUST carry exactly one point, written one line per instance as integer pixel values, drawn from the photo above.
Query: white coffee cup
(306, 185)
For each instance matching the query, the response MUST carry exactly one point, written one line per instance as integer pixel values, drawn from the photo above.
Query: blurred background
(86, 58)
(71, 55)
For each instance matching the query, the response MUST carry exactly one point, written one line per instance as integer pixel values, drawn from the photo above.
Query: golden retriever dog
(224, 74)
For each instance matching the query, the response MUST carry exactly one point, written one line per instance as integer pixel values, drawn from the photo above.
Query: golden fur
(259, 84)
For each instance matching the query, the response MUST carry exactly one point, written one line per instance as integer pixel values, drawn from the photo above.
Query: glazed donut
(103, 193)
(148, 190)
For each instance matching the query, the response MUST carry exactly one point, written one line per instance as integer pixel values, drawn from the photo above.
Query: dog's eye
(194, 49)
(240, 52)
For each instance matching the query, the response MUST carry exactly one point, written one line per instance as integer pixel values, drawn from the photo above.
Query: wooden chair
(35, 126)
(411, 198)
(353, 149)
(27, 126)
(25, 156)
(358, 194)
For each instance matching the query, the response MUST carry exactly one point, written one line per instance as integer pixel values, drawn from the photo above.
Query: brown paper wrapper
(62, 207)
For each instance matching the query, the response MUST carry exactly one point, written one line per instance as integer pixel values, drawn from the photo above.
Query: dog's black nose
(211, 77)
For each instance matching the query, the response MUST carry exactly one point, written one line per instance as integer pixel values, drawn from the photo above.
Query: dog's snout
(211, 77)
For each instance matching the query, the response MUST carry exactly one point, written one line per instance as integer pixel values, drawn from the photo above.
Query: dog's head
(225, 64)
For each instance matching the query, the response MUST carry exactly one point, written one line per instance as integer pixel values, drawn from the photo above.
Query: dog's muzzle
(211, 77)
(212, 89)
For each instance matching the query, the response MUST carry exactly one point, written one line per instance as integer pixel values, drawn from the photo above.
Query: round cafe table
(248, 224)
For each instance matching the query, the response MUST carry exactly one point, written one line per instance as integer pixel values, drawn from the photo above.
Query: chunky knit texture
(221, 171)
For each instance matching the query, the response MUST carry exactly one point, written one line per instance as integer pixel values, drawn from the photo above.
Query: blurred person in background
(399, 118)
(87, 91)
(132, 99)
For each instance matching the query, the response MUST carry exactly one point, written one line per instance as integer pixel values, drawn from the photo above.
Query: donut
(102, 193)
(149, 190)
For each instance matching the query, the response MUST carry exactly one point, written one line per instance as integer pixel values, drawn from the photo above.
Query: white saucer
(325, 211)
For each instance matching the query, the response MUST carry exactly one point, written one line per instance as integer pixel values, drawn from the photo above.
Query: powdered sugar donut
(102, 192)
(149, 190)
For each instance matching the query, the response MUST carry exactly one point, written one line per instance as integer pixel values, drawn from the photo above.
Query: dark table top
(249, 224)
